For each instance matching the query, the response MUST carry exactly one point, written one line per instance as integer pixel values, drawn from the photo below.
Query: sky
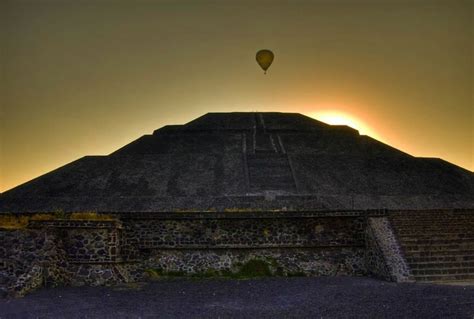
(87, 77)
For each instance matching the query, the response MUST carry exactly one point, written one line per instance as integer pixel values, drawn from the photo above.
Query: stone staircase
(269, 171)
(438, 246)
(268, 166)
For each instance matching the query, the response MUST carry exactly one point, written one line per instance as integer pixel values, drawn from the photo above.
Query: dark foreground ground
(330, 297)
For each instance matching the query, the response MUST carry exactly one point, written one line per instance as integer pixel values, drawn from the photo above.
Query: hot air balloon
(264, 59)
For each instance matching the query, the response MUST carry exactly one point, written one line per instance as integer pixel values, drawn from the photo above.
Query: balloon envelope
(264, 59)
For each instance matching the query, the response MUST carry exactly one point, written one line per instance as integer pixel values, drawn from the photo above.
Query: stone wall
(54, 252)
(86, 241)
(307, 245)
(142, 235)
(126, 248)
(29, 259)
(384, 258)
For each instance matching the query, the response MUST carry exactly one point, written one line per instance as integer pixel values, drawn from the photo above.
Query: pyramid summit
(226, 161)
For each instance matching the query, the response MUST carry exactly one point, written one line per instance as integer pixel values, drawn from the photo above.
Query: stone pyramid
(225, 162)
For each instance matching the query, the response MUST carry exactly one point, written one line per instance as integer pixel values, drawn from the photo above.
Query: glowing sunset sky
(87, 77)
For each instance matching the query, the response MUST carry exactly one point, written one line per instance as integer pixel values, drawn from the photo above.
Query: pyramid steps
(422, 240)
(445, 278)
(437, 247)
(439, 253)
(443, 271)
(444, 265)
(409, 236)
(433, 248)
(463, 230)
(429, 259)
(420, 224)
(415, 227)
(269, 171)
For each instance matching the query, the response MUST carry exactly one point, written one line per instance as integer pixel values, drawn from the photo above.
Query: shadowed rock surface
(265, 161)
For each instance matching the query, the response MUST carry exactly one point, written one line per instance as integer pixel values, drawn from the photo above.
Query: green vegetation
(90, 216)
(160, 273)
(296, 274)
(255, 268)
(12, 221)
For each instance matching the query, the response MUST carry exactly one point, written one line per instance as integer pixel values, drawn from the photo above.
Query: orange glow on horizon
(337, 117)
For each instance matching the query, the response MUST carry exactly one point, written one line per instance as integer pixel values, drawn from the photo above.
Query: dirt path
(330, 297)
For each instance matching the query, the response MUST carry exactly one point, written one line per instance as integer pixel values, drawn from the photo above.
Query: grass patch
(296, 274)
(12, 221)
(160, 273)
(90, 216)
(255, 268)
